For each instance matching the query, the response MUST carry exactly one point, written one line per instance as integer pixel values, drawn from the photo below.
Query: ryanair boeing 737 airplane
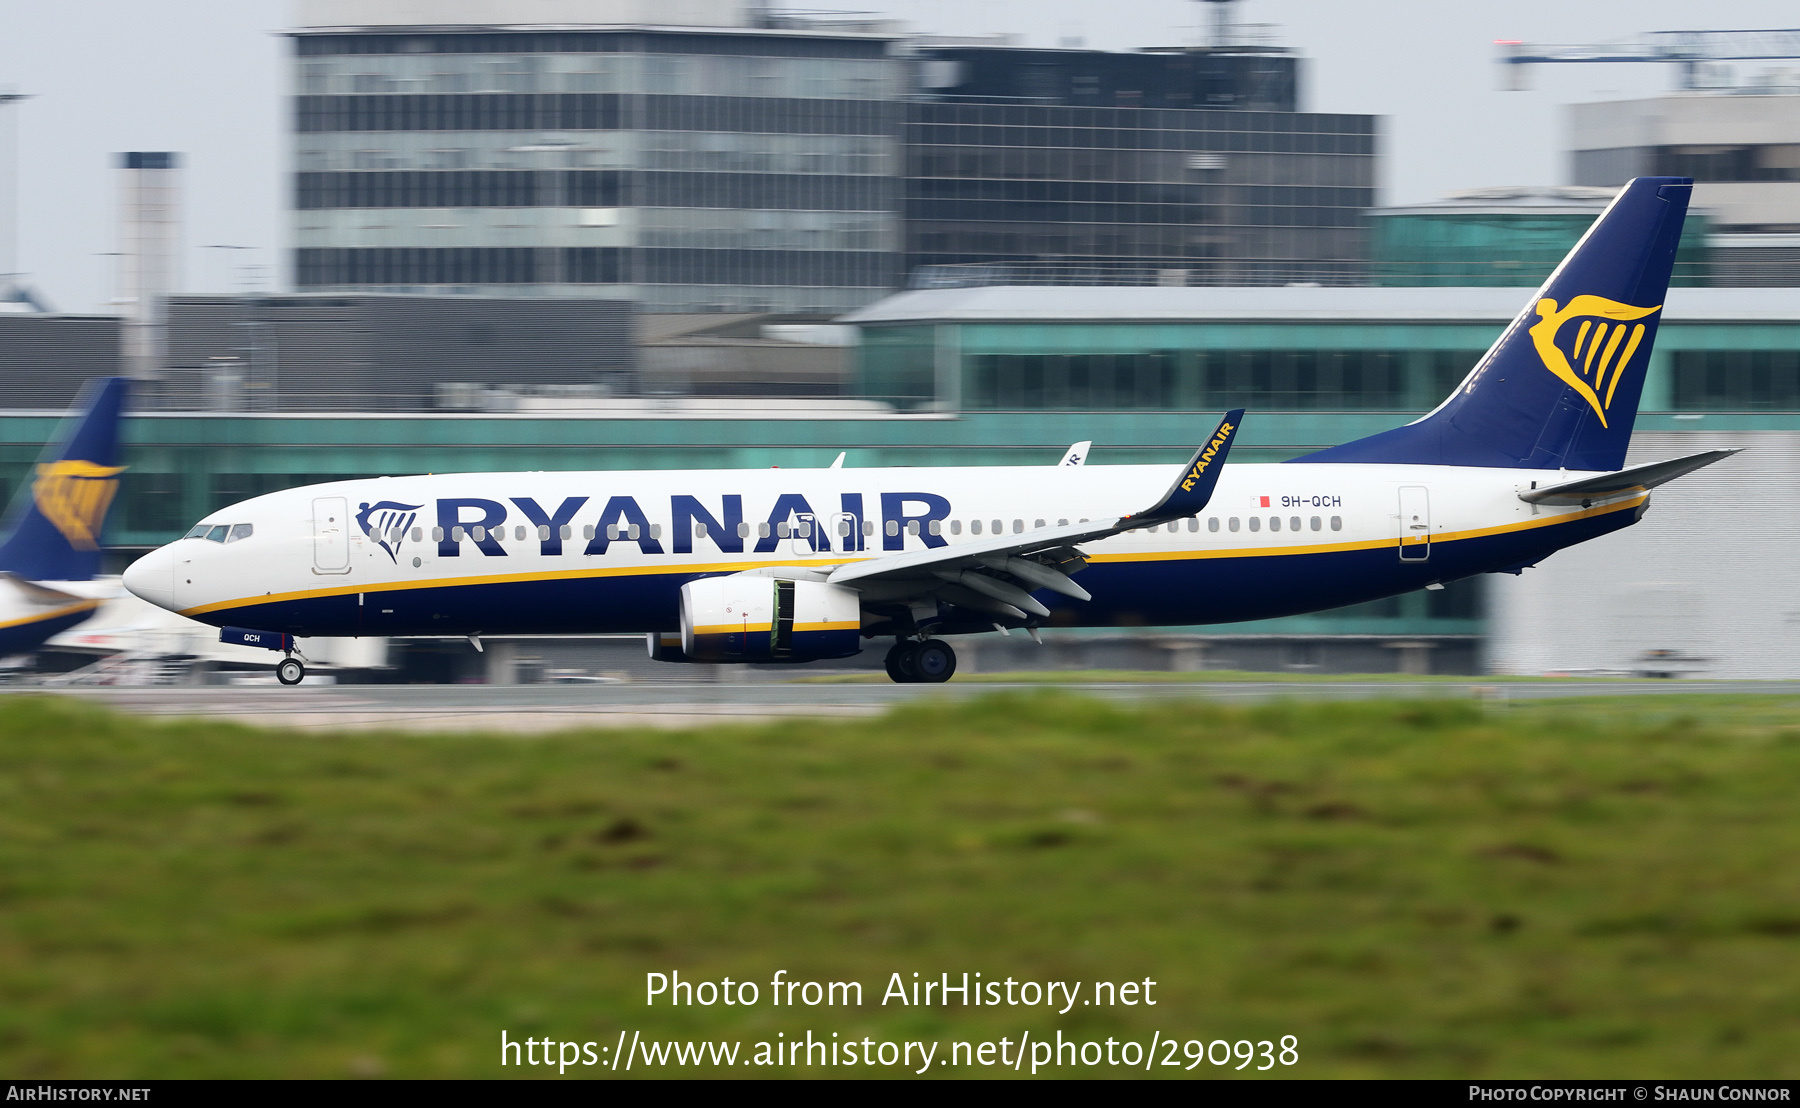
(1523, 459)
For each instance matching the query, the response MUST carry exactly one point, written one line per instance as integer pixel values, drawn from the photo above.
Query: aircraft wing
(1636, 479)
(1038, 559)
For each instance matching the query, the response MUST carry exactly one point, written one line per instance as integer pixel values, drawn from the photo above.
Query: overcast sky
(209, 77)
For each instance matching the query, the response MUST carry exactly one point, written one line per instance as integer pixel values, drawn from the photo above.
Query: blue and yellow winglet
(1194, 488)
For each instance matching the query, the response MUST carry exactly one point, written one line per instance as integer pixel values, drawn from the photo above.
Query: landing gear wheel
(899, 663)
(289, 671)
(933, 661)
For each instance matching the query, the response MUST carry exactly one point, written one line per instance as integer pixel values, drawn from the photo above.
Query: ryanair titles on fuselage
(723, 523)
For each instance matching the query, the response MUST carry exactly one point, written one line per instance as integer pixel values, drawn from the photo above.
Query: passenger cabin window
(999, 527)
(1234, 523)
(418, 534)
(1274, 523)
(1018, 527)
(1212, 523)
(1255, 523)
(1294, 523)
(956, 527)
(240, 531)
(974, 527)
(893, 527)
(1316, 523)
(936, 527)
(1038, 523)
(1337, 523)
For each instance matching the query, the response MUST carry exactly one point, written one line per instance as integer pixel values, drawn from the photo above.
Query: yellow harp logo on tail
(74, 496)
(1602, 345)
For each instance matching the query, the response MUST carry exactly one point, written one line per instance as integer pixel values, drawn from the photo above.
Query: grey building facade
(691, 169)
(387, 353)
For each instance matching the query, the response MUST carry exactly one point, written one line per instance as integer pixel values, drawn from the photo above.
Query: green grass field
(1602, 888)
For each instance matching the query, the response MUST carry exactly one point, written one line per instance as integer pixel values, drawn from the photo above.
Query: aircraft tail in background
(53, 526)
(1560, 388)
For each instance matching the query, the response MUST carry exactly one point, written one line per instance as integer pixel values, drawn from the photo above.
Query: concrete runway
(529, 709)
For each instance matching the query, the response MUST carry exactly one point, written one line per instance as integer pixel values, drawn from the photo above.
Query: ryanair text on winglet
(1206, 456)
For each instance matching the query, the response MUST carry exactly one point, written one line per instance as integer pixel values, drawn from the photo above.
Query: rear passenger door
(1415, 523)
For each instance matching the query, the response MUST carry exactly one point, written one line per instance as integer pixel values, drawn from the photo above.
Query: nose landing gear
(930, 662)
(291, 670)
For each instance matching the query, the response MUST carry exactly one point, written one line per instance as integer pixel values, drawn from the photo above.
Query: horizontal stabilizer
(1635, 479)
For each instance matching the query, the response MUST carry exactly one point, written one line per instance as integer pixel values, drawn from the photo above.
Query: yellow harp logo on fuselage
(74, 496)
(1596, 362)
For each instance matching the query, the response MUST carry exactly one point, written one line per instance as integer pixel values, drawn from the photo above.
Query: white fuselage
(501, 553)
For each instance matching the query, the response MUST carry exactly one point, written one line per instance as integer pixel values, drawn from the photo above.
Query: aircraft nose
(152, 578)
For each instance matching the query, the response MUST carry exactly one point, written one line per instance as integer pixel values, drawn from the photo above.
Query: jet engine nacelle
(741, 618)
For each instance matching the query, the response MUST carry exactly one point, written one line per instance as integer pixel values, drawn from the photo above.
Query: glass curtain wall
(1203, 197)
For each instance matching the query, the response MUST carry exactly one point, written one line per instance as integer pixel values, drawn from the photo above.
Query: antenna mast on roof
(1221, 23)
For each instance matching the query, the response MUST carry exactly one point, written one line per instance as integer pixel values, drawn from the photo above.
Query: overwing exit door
(1415, 523)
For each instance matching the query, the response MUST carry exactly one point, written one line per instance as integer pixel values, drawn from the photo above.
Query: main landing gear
(930, 662)
(290, 670)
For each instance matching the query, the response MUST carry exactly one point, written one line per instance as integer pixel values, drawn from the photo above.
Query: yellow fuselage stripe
(763, 628)
(65, 610)
(825, 562)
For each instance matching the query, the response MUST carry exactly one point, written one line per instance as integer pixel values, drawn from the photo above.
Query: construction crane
(1687, 49)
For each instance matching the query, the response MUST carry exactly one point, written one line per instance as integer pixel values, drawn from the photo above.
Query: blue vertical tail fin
(53, 526)
(1560, 388)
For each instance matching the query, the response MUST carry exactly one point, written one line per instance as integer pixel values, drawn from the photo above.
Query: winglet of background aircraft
(54, 523)
(1636, 479)
(1077, 454)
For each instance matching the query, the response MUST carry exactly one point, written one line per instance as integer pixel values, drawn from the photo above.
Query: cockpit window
(199, 531)
(240, 531)
(218, 533)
